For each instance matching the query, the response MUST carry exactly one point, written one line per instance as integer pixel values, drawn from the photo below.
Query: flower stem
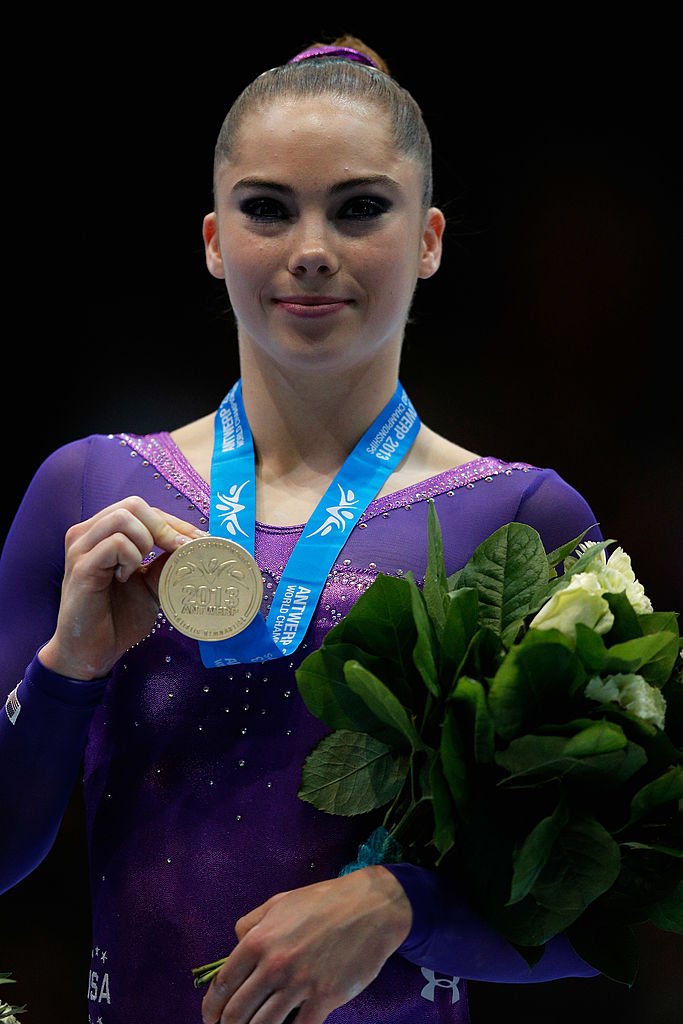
(203, 975)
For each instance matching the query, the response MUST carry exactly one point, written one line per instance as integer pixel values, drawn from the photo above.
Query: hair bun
(345, 52)
(345, 48)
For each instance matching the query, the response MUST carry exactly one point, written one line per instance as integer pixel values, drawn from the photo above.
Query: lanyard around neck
(233, 515)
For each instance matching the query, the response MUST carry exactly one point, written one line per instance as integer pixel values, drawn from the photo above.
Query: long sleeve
(45, 719)
(43, 731)
(448, 936)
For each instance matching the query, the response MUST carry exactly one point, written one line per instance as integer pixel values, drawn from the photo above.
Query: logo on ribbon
(337, 515)
(229, 506)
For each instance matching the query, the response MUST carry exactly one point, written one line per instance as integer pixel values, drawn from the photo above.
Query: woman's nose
(312, 251)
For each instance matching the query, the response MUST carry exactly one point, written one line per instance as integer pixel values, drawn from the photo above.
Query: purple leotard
(191, 774)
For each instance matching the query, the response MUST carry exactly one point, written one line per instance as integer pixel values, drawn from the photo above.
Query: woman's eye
(263, 209)
(364, 208)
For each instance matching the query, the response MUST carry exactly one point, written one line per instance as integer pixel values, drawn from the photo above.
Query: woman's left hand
(314, 948)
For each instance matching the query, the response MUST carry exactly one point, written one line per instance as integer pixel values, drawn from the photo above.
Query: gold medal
(210, 588)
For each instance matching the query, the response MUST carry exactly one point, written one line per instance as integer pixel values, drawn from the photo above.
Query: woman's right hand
(109, 600)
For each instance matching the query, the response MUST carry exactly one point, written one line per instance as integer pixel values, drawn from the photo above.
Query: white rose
(620, 564)
(632, 693)
(580, 601)
(616, 576)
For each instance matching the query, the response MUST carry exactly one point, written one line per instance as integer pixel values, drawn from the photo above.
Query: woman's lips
(311, 305)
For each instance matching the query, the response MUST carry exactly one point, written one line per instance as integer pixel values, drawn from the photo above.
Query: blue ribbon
(379, 848)
(233, 514)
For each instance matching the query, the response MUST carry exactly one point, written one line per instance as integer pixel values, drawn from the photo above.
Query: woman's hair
(329, 75)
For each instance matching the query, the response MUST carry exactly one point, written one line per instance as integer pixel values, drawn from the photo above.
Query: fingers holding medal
(109, 599)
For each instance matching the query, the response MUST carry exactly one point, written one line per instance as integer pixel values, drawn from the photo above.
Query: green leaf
(669, 851)
(583, 562)
(668, 914)
(558, 556)
(453, 760)
(350, 773)
(381, 623)
(625, 625)
(470, 696)
(425, 652)
(659, 622)
(592, 650)
(508, 570)
(483, 655)
(583, 864)
(444, 810)
(459, 630)
(647, 876)
(659, 670)
(326, 693)
(648, 655)
(381, 702)
(533, 855)
(435, 587)
(535, 676)
(598, 738)
(641, 653)
(667, 789)
(568, 728)
(660, 751)
(609, 947)
(544, 758)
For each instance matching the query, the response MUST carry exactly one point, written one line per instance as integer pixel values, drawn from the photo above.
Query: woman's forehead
(317, 135)
(330, 117)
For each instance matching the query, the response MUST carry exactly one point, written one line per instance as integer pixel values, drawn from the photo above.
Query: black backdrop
(549, 335)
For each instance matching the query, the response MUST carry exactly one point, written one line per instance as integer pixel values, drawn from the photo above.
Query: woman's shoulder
(73, 455)
(66, 459)
(81, 461)
(436, 458)
(494, 486)
(436, 463)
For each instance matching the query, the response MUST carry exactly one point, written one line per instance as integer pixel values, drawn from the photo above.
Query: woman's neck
(302, 437)
(305, 430)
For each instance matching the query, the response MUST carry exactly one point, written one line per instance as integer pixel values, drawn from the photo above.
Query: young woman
(322, 228)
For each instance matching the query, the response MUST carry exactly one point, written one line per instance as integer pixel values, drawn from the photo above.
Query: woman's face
(319, 232)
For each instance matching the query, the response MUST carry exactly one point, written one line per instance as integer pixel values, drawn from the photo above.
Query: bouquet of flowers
(7, 1012)
(519, 728)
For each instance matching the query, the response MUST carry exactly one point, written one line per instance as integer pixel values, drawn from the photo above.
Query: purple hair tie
(345, 52)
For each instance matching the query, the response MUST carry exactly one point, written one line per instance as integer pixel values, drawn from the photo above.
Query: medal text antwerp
(210, 588)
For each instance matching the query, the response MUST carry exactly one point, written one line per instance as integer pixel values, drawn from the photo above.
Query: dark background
(551, 333)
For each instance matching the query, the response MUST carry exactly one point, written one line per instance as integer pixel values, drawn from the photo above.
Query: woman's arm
(44, 718)
(72, 600)
(447, 935)
(44, 721)
(43, 731)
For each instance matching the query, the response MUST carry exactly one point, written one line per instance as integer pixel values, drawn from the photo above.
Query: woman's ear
(212, 249)
(430, 248)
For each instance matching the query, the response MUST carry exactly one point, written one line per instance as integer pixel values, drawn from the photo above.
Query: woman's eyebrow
(366, 180)
(260, 183)
(341, 186)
